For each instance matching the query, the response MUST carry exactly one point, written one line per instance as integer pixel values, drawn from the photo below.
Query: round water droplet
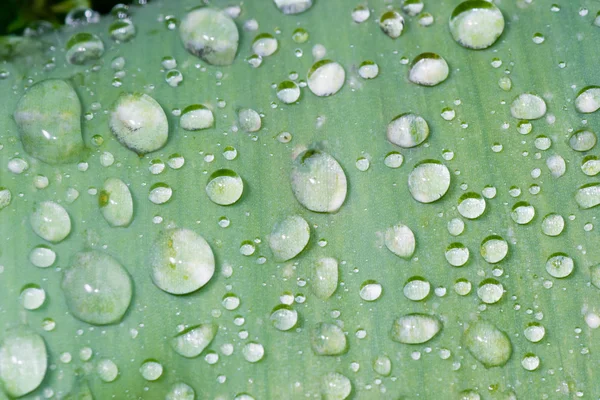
(151, 370)
(522, 213)
(588, 100)
(264, 45)
(457, 254)
(530, 362)
(534, 332)
(392, 23)
(284, 317)
(335, 386)
(289, 237)
(83, 47)
(368, 70)
(407, 130)
(400, 240)
(49, 120)
(318, 181)
(326, 77)
(416, 288)
(181, 391)
(557, 165)
(50, 221)
(429, 181)
(42, 256)
(253, 352)
(23, 361)
(560, 265)
(370, 290)
(490, 291)
(393, 160)
(32, 297)
(487, 344)
(293, 6)
(192, 341)
(415, 328)
(160, 193)
(211, 35)
(122, 30)
(428, 69)
(553, 224)
(288, 92)
(139, 123)
(224, 187)
(462, 287)
(107, 370)
(116, 203)
(583, 140)
(97, 288)
(174, 77)
(471, 205)
(196, 117)
(181, 261)
(324, 280)
(382, 365)
(328, 340)
(493, 249)
(528, 106)
(249, 120)
(476, 24)
(456, 226)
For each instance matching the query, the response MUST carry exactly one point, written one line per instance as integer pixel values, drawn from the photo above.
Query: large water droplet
(429, 181)
(211, 35)
(42, 256)
(522, 212)
(488, 344)
(318, 181)
(588, 100)
(192, 341)
(253, 352)
(494, 249)
(196, 117)
(476, 24)
(400, 240)
(457, 254)
(97, 288)
(490, 291)
(428, 69)
(415, 328)
(328, 340)
(326, 77)
(49, 120)
(583, 140)
(32, 297)
(416, 288)
(249, 120)
(139, 123)
(23, 361)
(50, 221)
(335, 386)
(224, 187)
(560, 265)
(407, 130)
(553, 224)
(289, 237)
(471, 205)
(324, 280)
(283, 317)
(588, 196)
(181, 261)
(264, 45)
(528, 106)
(116, 203)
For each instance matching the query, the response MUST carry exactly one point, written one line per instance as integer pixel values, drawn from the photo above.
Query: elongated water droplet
(407, 130)
(400, 240)
(181, 261)
(415, 328)
(224, 187)
(42, 256)
(528, 106)
(560, 265)
(428, 69)
(392, 23)
(335, 386)
(370, 290)
(116, 203)
(293, 6)
(83, 47)
(588, 196)
(97, 288)
(494, 249)
(160, 193)
(49, 120)
(211, 35)
(487, 344)
(429, 181)
(476, 24)
(192, 341)
(324, 280)
(139, 123)
(196, 117)
(326, 78)
(23, 361)
(289, 237)
(50, 221)
(318, 181)
(588, 100)
(5, 197)
(328, 340)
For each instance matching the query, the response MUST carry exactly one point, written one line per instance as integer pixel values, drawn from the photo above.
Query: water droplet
(107, 370)
(32, 297)
(490, 291)
(288, 92)
(289, 237)
(139, 123)
(174, 77)
(392, 23)
(560, 265)
(494, 249)
(151, 370)
(224, 187)
(122, 30)
(522, 213)
(23, 361)
(5, 197)
(324, 279)
(42, 256)
(368, 70)
(293, 6)
(160, 193)
(284, 317)
(528, 106)
(360, 14)
(462, 287)
(370, 290)
(84, 47)
(415, 328)
(583, 140)
(247, 248)
(429, 181)
(416, 288)
(457, 254)
(335, 386)
(487, 344)
(407, 130)
(116, 203)
(300, 35)
(249, 120)
(534, 332)
(530, 362)
(97, 288)
(382, 365)
(588, 100)
(393, 160)
(557, 165)
(326, 78)
(456, 226)
(538, 38)
(181, 391)
(588, 196)
(505, 83)
(50, 221)
(400, 240)
(328, 340)
(471, 205)
(264, 44)
(49, 120)
(553, 224)
(192, 341)
(476, 24)
(448, 114)
(211, 35)
(253, 352)
(428, 69)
